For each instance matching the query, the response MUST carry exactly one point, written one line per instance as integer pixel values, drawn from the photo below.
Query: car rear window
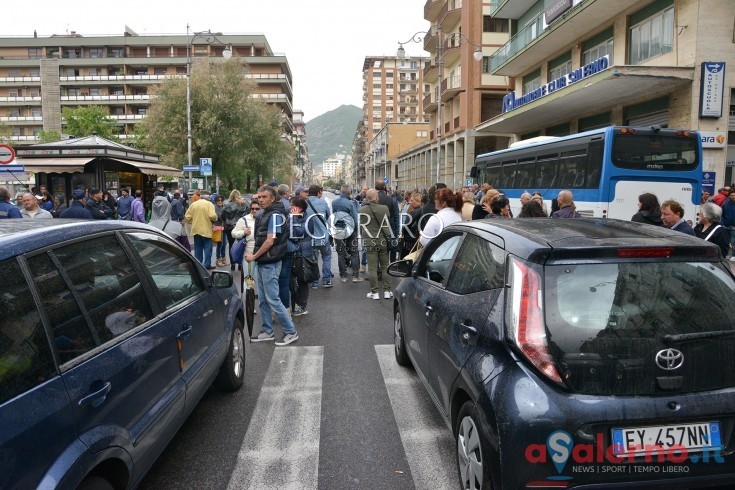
(608, 325)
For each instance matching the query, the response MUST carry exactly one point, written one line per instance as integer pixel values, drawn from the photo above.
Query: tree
(239, 133)
(85, 120)
(50, 136)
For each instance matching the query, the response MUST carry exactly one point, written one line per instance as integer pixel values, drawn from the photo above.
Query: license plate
(641, 440)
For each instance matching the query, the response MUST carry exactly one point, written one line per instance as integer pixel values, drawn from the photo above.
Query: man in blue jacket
(76, 208)
(124, 205)
(7, 210)
(344, 215)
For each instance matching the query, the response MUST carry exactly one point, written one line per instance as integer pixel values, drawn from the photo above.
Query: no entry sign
(7, 154)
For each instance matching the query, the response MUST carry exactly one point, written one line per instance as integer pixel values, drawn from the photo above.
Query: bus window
(572, 169)
(493, 176)
(546, 171)
(509, 174)
(524, 173)
(655, 151)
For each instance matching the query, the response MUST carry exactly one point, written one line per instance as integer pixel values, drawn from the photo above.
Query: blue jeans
(270, 300)
(203, 246)
(326, 253)
(221, 247)
(284, 281)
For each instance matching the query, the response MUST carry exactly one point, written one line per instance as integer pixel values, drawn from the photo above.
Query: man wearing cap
(7, 210)
(31, 209)
(97, 206)
(76, 209)
(201, 214)
(302, 191)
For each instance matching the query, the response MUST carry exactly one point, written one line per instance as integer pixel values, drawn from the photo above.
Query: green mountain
(332, 133)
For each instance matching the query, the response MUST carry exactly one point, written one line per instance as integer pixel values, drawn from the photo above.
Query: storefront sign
(510, 102)
(553, 9)
(713, 139)
(708, 182)
(711, 89)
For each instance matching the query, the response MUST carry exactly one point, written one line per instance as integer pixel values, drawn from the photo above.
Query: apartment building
(393, 90)
(582, 64)
(40, 75)
(462, 92)
(392, 140)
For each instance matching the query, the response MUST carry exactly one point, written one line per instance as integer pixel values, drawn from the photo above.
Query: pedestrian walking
(344, 210)
(317, 216)
(201, 215)
(374, 221)
(138, 208)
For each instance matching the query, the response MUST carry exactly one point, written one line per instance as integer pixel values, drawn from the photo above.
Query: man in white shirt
(31, 209)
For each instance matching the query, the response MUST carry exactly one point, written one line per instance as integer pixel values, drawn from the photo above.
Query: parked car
(574, 352)
(110, 334)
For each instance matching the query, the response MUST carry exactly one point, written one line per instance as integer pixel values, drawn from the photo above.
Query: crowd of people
(367, 230)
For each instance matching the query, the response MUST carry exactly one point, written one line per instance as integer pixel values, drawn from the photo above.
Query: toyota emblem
(669, 359)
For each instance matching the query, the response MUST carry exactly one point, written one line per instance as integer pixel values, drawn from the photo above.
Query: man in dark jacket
(76, 208)
(7, 210)
(177, 208)
(124, 204)
(271, 237)
(393, 214)
(344, 212)
(97, 206)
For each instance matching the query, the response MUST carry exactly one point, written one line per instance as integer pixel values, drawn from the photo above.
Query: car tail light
(645, 252)
(527, 322)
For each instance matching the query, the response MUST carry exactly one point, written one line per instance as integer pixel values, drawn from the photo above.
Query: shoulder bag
(305, 269)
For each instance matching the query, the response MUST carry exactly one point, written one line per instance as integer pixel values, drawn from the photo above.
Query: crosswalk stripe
(428, 445)
(281, 446)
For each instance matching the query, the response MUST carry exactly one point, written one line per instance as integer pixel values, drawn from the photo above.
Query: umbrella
(249, 301)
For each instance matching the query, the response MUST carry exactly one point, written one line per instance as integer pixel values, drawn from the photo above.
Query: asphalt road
(332, 410)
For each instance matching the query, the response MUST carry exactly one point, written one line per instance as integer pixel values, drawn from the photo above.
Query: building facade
(582, 64)
(462, 92)
(393, 90)
(41, 75)
(392, 140)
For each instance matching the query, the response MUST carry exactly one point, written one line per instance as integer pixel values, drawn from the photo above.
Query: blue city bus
(606, 169)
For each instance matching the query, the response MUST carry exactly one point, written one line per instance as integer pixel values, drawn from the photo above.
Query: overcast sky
(325, 41)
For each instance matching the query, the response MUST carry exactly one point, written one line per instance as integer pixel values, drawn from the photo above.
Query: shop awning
(53, 165)
(150, 168)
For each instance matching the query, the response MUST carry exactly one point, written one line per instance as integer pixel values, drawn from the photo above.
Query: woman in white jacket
(448, 205)
(244, 228)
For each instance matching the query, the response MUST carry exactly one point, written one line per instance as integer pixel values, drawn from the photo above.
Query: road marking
(281, 446)
(427, 442)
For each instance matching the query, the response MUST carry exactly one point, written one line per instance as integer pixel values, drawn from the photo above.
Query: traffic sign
(7, 154)
(191, 168)
(12, 168)
(386, 179)
(205, 166)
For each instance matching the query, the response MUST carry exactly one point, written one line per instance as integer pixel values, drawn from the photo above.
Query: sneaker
(328, 284)
(362, 269)
(263, 337)
(298, 311)
(287, 339)
(388, 294)
(314, 285)
(373, 296)
(343, 279)
(356, 279)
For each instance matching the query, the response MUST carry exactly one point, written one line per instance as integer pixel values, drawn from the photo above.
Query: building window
(72, 53)
(598, 51)
(34, 53)
(95, 91)
(15, 112)
(36, 112)
(376, 108)
(377, 97)
(13, 93)
(95, 52)
(389, 74)
(92, 72)
(34, 92)
(652, 37)
(414, 65)
(493, 24)
(377, 74)
(486, 64)
(389, 86)
(34, 73)
(531, 82)
(116, 52)
(560, 70)
(160, 71)
(13, 73)
(73, 91)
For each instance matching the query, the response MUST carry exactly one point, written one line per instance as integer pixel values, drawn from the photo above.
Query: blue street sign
(205, 166)
(12, 168)
(708, 182)
(468, 182)
(191, 168)
(386, 179)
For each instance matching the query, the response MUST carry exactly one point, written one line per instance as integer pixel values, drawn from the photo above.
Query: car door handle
(468, 330)
(98, 397)
(184, 334)
(207, 313)
(428, 309)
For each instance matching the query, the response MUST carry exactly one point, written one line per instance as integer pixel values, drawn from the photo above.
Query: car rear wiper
(697, 335)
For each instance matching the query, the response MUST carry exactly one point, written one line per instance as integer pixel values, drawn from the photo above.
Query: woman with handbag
(305, 262)
(234, 208)
(217, 229)
(244, 230)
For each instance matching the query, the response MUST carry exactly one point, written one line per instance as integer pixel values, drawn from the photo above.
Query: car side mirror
(221, 279)
(400, 268)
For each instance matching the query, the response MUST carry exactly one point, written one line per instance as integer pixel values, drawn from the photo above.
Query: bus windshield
(655, 151)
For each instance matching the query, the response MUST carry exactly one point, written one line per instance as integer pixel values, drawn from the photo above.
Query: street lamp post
(439, 39)
(209, 37)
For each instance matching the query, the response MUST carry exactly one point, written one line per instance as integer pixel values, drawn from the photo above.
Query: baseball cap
(77, 194)
(300, 189)
(39, 196)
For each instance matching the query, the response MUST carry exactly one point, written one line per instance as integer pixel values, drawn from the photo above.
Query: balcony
(430, 104)
(115, 78)
(431, 9)
(452, 51)
(510, 9)
(20, 80)
(451, 86)
(105, 98)
(13, 120)
(430, 41)
(450, 13)
(431, 72)
(20, 100)
(533, 44)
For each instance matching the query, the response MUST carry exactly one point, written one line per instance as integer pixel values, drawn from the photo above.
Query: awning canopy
(53, 165)
(149, 168)
(618, 85)
(76, 165)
